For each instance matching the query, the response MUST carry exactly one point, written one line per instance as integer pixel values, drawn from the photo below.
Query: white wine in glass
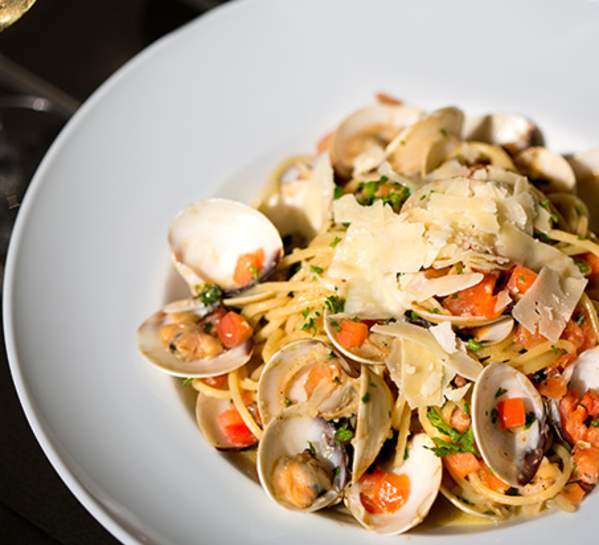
(11, 10)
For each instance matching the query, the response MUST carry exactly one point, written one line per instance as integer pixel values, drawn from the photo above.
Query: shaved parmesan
(445, 336)
(421, 288)
(549, 303)
(456, 394)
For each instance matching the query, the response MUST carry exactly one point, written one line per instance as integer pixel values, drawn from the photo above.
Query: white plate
(207, 111)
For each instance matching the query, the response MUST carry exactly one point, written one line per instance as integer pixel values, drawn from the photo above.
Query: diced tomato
(219, 381)
(460, 420)
(324, 144)
(521, 279)
(573, 493)
(593, 262)
(318, 372)
(233, 329)
(572, 417)
(249, 267)
(553, 387)
(581, 336)
(382, 492)
(586, 461)
(490, 480)
(512, 413)
(461, 464)
(590, 401)
(475, 301)
(384, 98)
(593, 436)
(526, 339)
(352, 333)
(233, 426)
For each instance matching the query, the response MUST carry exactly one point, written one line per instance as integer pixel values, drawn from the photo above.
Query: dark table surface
(73, 46)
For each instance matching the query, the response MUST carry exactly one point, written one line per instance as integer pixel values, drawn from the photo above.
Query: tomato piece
(586, 461)
(318, 372)
(593, 263)
(593, 436)
(590, 401)
(553, 387)
(382, 492)
(219, 381)
(325, 142)
(572, 416)
(384, 98)
(248, 267)
(573, 493)
(528, 340)
(233, 329)
(521, 280)
(461, 464)
(233, 426)
(512, 413)
(490, 480)
(475, 301)
(352, 333)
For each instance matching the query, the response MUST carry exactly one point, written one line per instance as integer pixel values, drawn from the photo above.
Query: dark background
(63, 49)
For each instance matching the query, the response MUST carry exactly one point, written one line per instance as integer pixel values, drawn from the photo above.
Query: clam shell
(290, 433)
(373, 423)
(514, 455)
(150, 345)
(541, 163)
(495, 332)
(473, 153)
(284, 374)
(513, 131)
(208, 237)
(424, 470)
(586, 169)
(408, 151)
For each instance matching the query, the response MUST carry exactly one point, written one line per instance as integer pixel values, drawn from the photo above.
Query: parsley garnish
(208, 327)
(530, 418)
(595, 423)
(579, 319)
(288, 402)
(309, 324)
(336, 325)
(336, 471)
(311, 448)
(254, 271)
(458, 442)
(444, 132)
(208, 293)
(187, 381)
(338, 193)
(494, 415)
(334, 303)
(473, 345)
(316, 270)
(343, 434)
(583, 266)
(366, 397)
(336, 241)
(500, 391)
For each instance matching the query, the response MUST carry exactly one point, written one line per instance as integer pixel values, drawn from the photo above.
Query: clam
(302, 371)
(373, 423)
(419, 478)
(300, 465)
(476, 153)
(366, 132)
(208, 411)
(542, 164)
(513, 454)
(586, 168)
(180, 341)
(372, 351)
(467, 501)
(512, 131)
(495, 332)
(457, 321)
(409, 151)
(223, 242)
(299, 196)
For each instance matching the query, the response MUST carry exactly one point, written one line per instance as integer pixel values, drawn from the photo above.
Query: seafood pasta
(409, 313)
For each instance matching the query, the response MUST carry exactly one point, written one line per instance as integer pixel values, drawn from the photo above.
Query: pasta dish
(405, 320)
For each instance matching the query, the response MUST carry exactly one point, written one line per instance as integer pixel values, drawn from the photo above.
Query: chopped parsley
(334, 303)
(336, 471)
(458, 442)
(309, 324)
(392, 193)
(311, 448)
(335, 241)
(406, 453)
(473, 345)
(579, 319)
(595, 423)
(459, 268)
(254, 271)
(288, 402)
(343, 434)
(208, 293)
(316, 270)
(187, 381)
(467, 408)
(530, 419)
(494, 415)
(207, 327)
(306, 312)
(583, 266)
(554, 349)
(335, 325)
(500, 391)
(444, 132)
(338, 193)
(366, 397)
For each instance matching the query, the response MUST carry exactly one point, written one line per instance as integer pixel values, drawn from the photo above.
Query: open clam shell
(208, 238)
(512, 131)
(542, 164)
(285, 376)
(369, 130)
(456, 321)
(494, 332)
(423, 471)
(586, 168)
(373, 423)
(151, 346)
(208, 409)
(410, 151)
(474, 153)
(513, 454)
(300, 466)
(372, 351)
